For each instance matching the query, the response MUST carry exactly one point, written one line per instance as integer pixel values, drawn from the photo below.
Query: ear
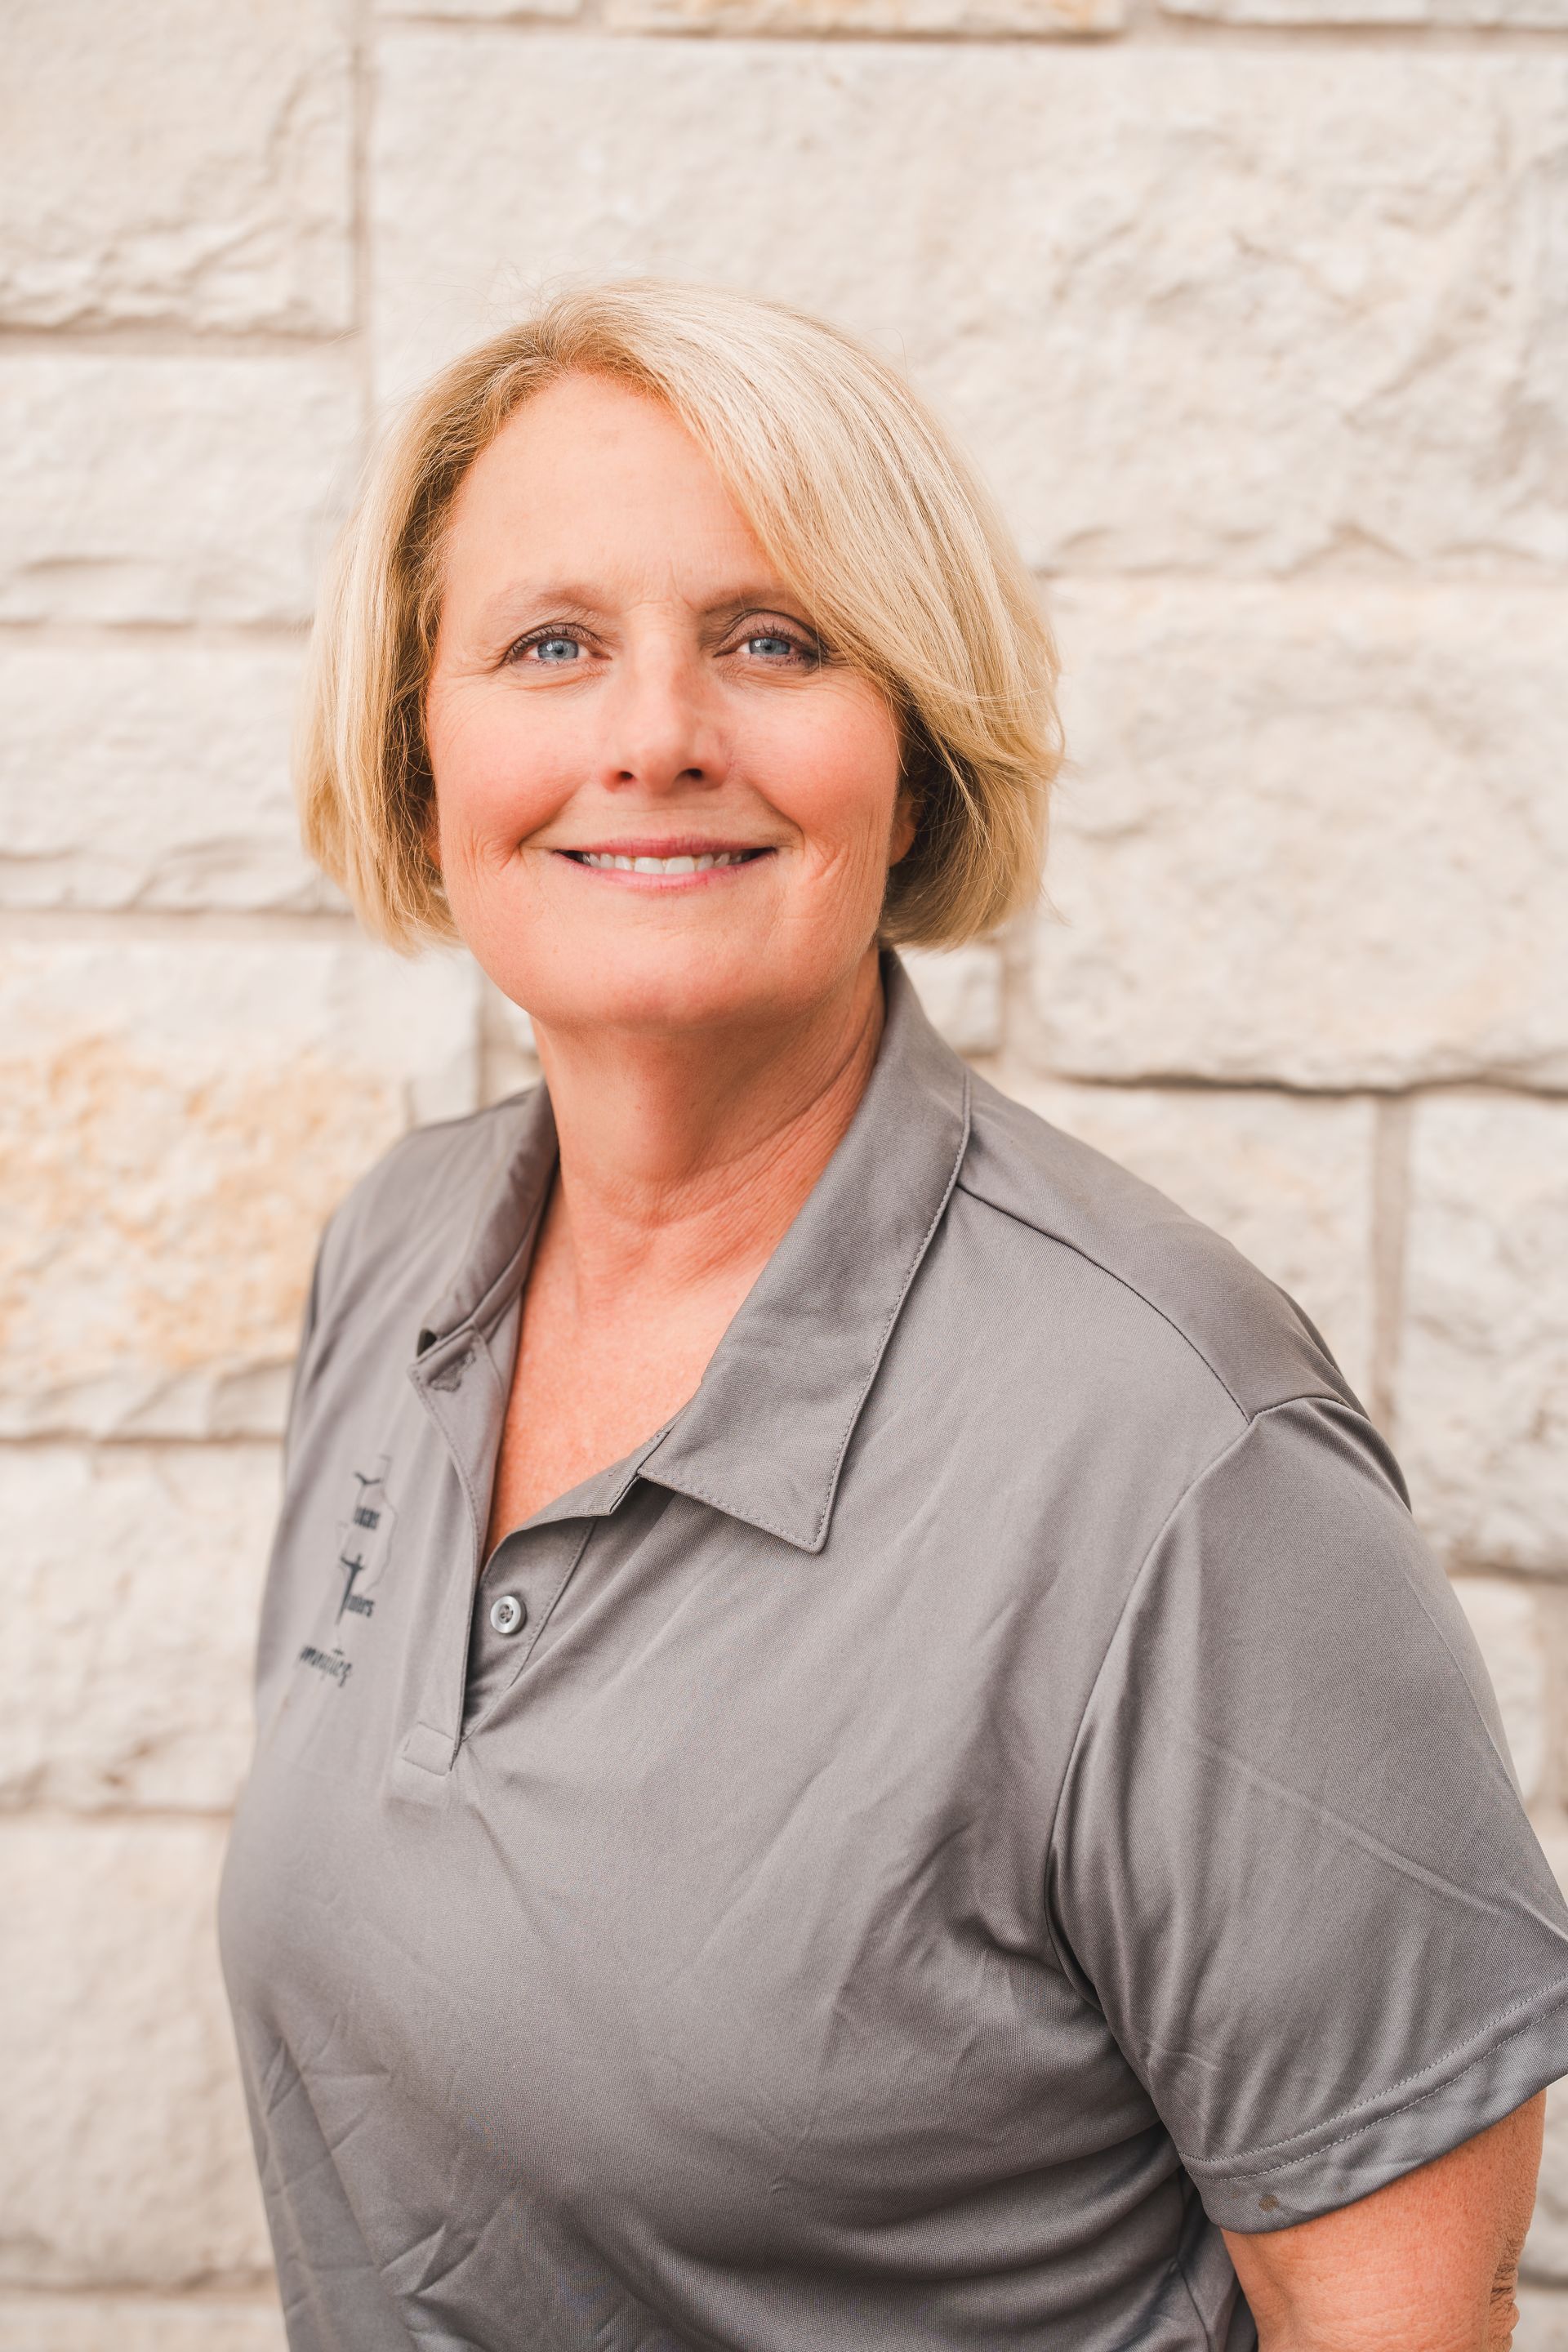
(906, 823)
(914, 770)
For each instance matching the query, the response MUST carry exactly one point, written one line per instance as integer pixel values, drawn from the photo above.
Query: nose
(662, 729)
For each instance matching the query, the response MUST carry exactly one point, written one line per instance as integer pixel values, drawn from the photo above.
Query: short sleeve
(1290, 1863)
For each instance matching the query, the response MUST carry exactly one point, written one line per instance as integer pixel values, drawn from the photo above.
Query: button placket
(459, 1387)
(527, 1573)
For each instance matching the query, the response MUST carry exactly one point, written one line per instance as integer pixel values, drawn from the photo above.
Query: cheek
(496, 778)
(834, 773)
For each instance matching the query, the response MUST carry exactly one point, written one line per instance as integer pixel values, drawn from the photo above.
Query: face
(661, 803)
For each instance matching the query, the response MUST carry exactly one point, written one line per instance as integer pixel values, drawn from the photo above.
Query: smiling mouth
(615, 861)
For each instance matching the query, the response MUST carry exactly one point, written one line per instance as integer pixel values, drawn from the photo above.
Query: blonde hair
(853, 490)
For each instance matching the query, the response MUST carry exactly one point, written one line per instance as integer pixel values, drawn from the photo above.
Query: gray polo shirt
(995, 1790)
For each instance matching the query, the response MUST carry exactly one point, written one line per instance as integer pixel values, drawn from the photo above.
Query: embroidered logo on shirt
(327, 1662)
(364, 1539)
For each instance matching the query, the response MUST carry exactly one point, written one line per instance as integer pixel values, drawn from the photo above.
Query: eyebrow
(569, 600)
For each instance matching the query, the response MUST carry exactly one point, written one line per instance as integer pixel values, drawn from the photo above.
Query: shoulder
(1072, 1215)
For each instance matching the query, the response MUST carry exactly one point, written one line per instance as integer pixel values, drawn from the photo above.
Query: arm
(1426, 2264)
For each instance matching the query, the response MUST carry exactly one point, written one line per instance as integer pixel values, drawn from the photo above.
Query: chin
(694, 986)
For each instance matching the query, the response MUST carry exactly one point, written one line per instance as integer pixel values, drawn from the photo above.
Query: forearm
(1381, 2323)
(1427, 2264)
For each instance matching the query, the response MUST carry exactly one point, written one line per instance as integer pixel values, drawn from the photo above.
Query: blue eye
(556, 649)
(772, 646)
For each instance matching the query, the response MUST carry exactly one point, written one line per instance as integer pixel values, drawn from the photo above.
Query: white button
(508, 1613)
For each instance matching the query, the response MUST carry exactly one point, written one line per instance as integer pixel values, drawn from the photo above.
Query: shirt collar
(764, 1437)
(500, 1240)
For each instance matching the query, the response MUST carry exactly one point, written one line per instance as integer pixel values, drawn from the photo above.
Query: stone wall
(1257, 311)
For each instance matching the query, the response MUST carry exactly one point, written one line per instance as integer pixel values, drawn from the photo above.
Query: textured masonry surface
(1256, 312)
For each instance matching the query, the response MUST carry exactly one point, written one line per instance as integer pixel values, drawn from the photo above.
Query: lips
(616, 861)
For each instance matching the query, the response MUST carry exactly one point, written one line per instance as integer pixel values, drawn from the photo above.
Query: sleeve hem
(1360, 2150)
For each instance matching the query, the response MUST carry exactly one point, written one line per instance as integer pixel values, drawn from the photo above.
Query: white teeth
(605, 860)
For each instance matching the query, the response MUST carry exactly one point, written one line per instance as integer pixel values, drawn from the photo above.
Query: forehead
(590, 471)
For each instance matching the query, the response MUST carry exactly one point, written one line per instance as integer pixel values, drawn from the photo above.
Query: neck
(685, 1158)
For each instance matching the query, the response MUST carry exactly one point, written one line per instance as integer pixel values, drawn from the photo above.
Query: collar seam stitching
(1537, 2004)
(701, 1495)
(813, 1542)
(1122, 1282)
(502, 1153)
(897, 1309)
(1141, 1569)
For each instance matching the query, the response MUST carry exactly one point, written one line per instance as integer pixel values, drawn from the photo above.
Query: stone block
(128, 1622)
(155, 488)
(179, 1112)
(960, 989)
(1543, 2320)
(125, 2158)
(898, 18)
(148, 771)
(510, 1059)
(92, 2322)
(1550, 1823)
(177, 162)
(1506, 1620)
(1318, 835)
(1482, 1380)
(1288, 1179)
(1191, 311)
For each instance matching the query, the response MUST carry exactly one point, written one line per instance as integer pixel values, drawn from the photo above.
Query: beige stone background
(1256, 312)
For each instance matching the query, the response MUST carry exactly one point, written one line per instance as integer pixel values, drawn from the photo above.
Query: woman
(857, 1747)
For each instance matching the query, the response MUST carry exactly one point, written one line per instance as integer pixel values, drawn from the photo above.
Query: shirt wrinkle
(1113, 1635)
(1254, 1777)
(432, 2261)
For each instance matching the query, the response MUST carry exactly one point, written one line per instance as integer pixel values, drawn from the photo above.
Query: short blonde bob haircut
(854, 492)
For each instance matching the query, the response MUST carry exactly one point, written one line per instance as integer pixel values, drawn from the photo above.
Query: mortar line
(1407, 578)
(73, 925)
(204, 635)
(62, 1819)
(1390, 1221)
(1552, 1617)
(362, 126)
(1176, 1082)
(243, 2290)
(1141, 31)
(1014, 944)
(152, 338)
(120, 1441)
